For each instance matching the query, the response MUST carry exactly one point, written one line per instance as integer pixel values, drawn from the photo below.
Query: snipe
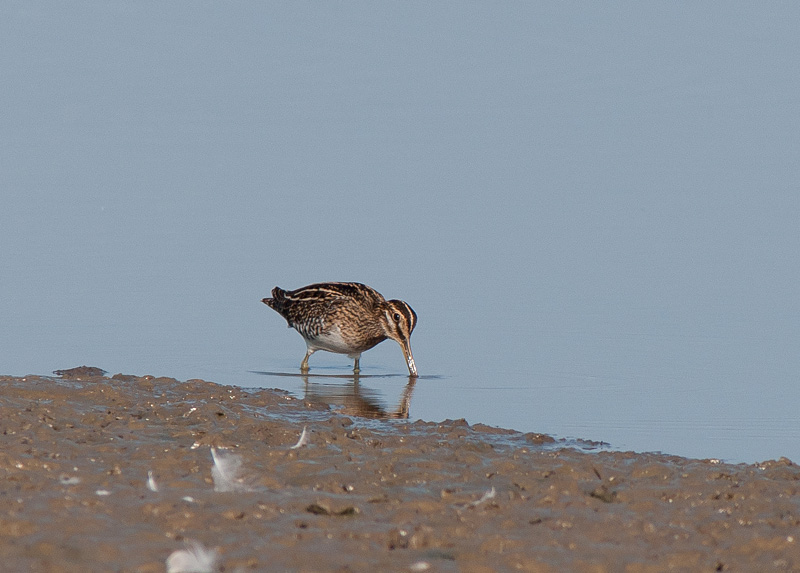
(346, 318)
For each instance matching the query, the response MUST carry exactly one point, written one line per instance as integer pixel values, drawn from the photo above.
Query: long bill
(412, 368)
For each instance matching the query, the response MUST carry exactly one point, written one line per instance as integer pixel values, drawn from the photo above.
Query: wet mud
(117, 473)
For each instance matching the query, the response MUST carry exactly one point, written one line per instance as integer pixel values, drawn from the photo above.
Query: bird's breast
(334, 339)
(331, 340)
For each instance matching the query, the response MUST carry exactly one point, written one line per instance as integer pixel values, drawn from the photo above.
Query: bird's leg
(356, 369)
(304, 363)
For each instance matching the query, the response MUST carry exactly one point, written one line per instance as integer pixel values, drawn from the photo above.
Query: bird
(345, 318)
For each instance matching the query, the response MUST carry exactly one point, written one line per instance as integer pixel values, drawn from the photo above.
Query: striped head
(398, 321)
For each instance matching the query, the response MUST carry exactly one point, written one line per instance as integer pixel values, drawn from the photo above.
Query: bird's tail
(277, 300)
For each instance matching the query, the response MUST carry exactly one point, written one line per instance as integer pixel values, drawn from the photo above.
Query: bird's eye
(397, 317)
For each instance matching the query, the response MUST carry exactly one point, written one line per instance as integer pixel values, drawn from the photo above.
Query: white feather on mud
(490, 494)
(194, 559)
(228, 473)
(151, 481)
(302, 441)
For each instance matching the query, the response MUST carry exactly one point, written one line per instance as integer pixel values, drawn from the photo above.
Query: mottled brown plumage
(347, 318)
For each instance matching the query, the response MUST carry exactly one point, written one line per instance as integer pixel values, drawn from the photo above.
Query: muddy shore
(115, 473)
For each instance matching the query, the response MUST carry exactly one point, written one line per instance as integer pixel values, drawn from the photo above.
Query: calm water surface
(592, 209)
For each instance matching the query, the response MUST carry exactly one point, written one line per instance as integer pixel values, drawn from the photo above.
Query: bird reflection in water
(355, 400)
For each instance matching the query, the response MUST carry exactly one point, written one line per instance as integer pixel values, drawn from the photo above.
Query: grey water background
(593, 207)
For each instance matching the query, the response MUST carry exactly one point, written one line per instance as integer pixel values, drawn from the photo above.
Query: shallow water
(592, 210)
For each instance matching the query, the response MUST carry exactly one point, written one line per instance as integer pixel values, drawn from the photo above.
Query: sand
(82, 455)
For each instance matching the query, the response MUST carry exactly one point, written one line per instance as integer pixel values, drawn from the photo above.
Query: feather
(194, 559)
(486, 497)
(228, 473)
(302, 441)
(151, 481)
